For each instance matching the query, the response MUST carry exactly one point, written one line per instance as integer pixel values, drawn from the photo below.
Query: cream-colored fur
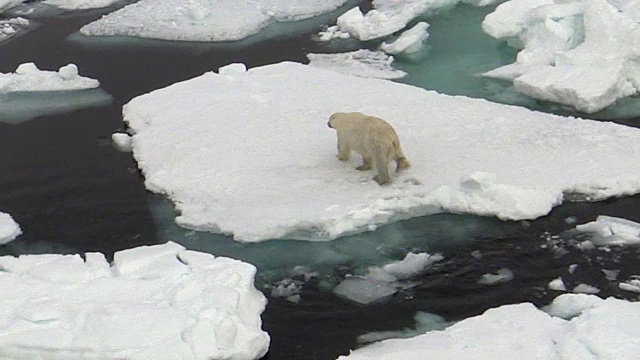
(373, 138)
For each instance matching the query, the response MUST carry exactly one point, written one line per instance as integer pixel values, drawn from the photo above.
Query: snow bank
(594, 329)
(80, 5)
(363, 63)
(122, 141)
(382, 282)
(608, 230)
(9, 229)
(204, 20)
(28, 78)
(153, 302)
(250, 154)
(581, 53)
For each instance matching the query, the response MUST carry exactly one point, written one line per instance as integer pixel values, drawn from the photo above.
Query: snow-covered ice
(631, 285)
(250, 154)
(30, 92)
(10, 27)
(409, 41)
(28, 78)
(579, 53)
(152, 302)
(7, 4)
(80, 5)
(9, 228)
(204, 20)
(557, 285)
(611, 231)
(382, 282)
(363, 63)
(590, 328)
(583, 288)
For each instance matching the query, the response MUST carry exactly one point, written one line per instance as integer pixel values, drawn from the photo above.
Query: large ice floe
(611, 231)
(9, 229)
(152, 302)
(204, 20)
(249, 153)
(29, 92)
(80, 5)
(573, 327)
(581, 53)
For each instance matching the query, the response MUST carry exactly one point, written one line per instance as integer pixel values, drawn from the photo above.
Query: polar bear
(373, 138)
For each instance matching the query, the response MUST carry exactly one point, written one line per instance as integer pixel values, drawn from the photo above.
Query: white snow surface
(250, 154)
(28, 78)
(80, 4)
(153, 302)
(363, 63)
(594, 329)
(581, 53)
(204, 20)
(608, 230)
(9, 228)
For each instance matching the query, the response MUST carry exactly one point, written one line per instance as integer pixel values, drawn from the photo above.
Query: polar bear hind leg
(401, 161)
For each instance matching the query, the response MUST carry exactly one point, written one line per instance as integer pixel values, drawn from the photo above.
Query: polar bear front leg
(344, 152)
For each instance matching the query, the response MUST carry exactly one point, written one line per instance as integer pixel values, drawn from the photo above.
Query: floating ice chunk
(412, 265)
(364, 290)
(10, 27)
(585, 289)
(28, 78)
(70, 308)
(409, 41)
(199, 20)
(388, 17)
(631, 285)
(587, 88)
(9, 229)
(380, 283)
(80, 5)
(557, 284)
(571, 305)
(502, 275)
(333, 32)
(608, 230)
(122, 141)
(597, 329)
(362, 63)
(480, 2)
(425, 322)
(514, 163)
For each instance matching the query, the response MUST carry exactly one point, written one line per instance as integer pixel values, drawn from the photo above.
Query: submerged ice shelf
(269, 170)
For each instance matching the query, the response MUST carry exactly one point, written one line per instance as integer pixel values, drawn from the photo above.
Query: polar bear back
(360, 130)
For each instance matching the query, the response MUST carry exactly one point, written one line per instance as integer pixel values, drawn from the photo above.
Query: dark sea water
(71, 191)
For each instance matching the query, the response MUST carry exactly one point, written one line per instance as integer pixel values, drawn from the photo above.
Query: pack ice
(153, 302)
(249, 153)
(581, 53)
